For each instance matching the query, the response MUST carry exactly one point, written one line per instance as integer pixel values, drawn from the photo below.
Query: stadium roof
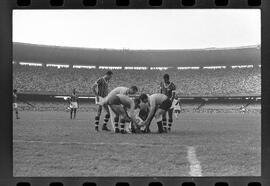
(83, 56)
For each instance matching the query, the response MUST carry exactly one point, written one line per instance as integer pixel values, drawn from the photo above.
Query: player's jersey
(74, 98)
(167, 89)
(118, 90)
(103, 89)
(15, 96)
(156, 99)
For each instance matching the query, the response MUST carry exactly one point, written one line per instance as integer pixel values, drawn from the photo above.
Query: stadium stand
(202, 82)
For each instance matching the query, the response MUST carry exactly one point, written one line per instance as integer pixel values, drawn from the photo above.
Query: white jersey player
(176, 106)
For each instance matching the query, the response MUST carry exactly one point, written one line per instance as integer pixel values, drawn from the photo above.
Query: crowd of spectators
(202, 82)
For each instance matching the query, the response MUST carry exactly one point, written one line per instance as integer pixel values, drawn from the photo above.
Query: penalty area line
(194, 163)
(98, 143)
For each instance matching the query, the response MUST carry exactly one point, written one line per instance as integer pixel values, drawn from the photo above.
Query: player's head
(137, 103)
(166, 78)
(144, 98)
(15, 90)
(108, 75)
(133, 90)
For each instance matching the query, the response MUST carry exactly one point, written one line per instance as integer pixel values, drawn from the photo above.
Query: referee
(100, 89)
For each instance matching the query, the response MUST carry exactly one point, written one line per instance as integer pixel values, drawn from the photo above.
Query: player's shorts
(114, 100)
(15, 105)
(166, 104)
(74, 105)
(100, 100)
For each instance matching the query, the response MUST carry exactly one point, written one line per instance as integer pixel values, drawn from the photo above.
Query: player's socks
(96, 123)
(116, 125)
(122, 125)
(164, 123)
(17, 114)
(160, 127)
(106, 119)
(170, 125)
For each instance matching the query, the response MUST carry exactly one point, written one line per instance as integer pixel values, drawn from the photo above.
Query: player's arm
(94, 88)
(150, 115)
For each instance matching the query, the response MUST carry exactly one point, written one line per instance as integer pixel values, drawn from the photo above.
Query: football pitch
(200, 144)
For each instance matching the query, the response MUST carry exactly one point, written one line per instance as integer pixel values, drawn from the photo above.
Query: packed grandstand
(190, 82)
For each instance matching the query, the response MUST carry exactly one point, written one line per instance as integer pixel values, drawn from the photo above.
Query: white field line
(97, 143)
(195, 166)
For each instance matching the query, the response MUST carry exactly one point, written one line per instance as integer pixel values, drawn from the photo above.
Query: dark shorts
(115, 100)
(166, 105)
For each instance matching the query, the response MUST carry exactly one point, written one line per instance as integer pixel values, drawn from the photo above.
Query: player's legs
(74, 114)
(115, 110)
(170, 114)
(71, 112)
(15, 106)
(164, 122)
(159, 117)
(98, 117)
(106, 118)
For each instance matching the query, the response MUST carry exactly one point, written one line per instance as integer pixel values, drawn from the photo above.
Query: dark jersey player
(15, 104)
(100, 89)
(73, 104)
(167, 88)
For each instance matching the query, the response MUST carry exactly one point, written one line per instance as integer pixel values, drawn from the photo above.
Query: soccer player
(159, 104)
(119, 90)
(73, 104)
(176, 106)
(167, 88)
(119, 104)
(15, 105)
(100, 89)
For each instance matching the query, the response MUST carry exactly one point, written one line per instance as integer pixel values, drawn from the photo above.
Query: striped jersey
(103, 87)
(74, 98)
(167, 89)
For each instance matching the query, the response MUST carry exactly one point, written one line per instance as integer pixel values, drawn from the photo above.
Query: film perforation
(23, 184)
(221, 2)
(155, 184)
(221, 184)
(155, 3)
(189, 3)
(254, 2)
(23, 2)
(57, 3)
(122, 3)
(56, 184)
(255, 184)
(88, 3)
(188, 184)
(89, 184)
(122, 184)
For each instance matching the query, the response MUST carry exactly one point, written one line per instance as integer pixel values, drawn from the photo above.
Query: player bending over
(15, 105)
(73, 104)
(100, 89)
(119, 104)
(159, 104)
(124, 91)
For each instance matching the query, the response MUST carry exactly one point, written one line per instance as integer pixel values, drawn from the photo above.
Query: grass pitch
(200, 144)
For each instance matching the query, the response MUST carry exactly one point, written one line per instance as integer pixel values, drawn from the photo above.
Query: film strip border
(136, 182)
(108, 4)
(111, 4)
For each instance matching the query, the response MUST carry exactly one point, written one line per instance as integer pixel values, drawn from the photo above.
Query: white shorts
(74, 105)
(15, 105)
(100, 100)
